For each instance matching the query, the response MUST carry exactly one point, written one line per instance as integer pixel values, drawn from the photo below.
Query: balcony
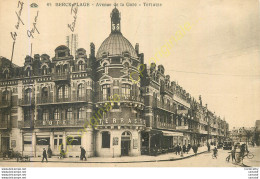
(5, 103)
(201, 131)
(60, 76)
(121, 98)
(166, 90)
(26, 102)
(4, 125)
(164, 125)
(182, 127)
(166, 107)
(51, 100)
(60, 123)
(25, 124)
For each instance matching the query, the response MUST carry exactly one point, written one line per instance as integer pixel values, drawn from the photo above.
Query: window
(81, 66)
(81, 113)
(63, 92)
(105, 140)
(126, 88)
(66, 92)
(105, 67)
(65, 68)
(44, 92)
(42, 141)
(69, 114)
(44, 70)
(28, 95)
(80, 91)
(61, 54)
(28, 72)
(73, 140)
(6, 74)
(58, 69)
(27, 115)
(5, 96)
(56, 114)
(45, 115)
(106, 92)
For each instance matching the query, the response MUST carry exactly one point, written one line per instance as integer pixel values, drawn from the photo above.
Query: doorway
(5, 144)
(57, 142)
(125, 143)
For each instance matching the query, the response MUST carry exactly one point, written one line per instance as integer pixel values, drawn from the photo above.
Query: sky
(218, 58)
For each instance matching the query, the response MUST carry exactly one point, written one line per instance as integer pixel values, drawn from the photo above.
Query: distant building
(242, 134)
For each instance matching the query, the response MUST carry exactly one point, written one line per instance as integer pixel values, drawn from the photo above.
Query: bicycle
(249, 155)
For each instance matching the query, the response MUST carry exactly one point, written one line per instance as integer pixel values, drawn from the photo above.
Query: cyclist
(215, 152)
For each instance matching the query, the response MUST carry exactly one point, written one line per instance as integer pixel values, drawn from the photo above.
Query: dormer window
(6, 74)
(81, 66)
(61, 54)
(44, 70)
(28, 72)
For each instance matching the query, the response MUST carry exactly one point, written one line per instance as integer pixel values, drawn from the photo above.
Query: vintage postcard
(156, 83)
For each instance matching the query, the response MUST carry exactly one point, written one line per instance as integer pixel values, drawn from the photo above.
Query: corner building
(51, 102)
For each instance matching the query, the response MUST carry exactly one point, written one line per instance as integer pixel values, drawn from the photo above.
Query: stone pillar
(21, 142)
(52, 141)
(89, 142)
(64, 141)
(34, 144)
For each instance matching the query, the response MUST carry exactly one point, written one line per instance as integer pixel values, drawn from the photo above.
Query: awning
(168, 133)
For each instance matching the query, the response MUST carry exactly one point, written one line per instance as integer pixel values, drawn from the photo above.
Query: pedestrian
(177, 148)
(44, 155)
(208, 147)
(188, 148)
(82, 153)
(49, 152)
(184, 148)
(180, 149)
(233, 154)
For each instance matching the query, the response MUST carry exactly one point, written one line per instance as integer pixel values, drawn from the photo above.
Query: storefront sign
(115, 140)
(135, 143)
(121, 121)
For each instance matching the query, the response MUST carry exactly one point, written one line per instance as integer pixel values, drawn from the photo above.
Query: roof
(116, 44)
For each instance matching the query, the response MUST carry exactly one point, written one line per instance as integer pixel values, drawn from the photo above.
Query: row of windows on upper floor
(45, 70)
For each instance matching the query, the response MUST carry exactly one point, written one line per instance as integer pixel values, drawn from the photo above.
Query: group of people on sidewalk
(180, 150)
(62, 153)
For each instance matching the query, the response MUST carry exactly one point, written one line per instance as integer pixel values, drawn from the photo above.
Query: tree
(249, 134)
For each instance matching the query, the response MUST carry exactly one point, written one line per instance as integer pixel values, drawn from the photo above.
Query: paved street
(202, 160)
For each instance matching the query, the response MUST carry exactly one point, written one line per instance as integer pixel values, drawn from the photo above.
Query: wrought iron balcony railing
(5, 103)
(163, 106)
(26, 102)
(60, 76)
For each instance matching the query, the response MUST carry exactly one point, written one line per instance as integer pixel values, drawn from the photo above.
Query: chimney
(137, 48)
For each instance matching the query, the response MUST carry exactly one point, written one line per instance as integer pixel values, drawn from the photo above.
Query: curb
(145, 161)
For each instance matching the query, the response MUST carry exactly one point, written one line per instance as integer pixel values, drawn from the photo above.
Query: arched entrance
(125, 143)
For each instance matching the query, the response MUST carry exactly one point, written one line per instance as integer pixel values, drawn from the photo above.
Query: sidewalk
(126, 159)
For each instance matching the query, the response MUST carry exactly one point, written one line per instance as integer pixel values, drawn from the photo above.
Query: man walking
(82, 153)
(44, 155)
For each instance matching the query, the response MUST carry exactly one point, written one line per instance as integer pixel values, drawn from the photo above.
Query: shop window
(105, 140)
(27, 140)
(42, 141)
(73, 140)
